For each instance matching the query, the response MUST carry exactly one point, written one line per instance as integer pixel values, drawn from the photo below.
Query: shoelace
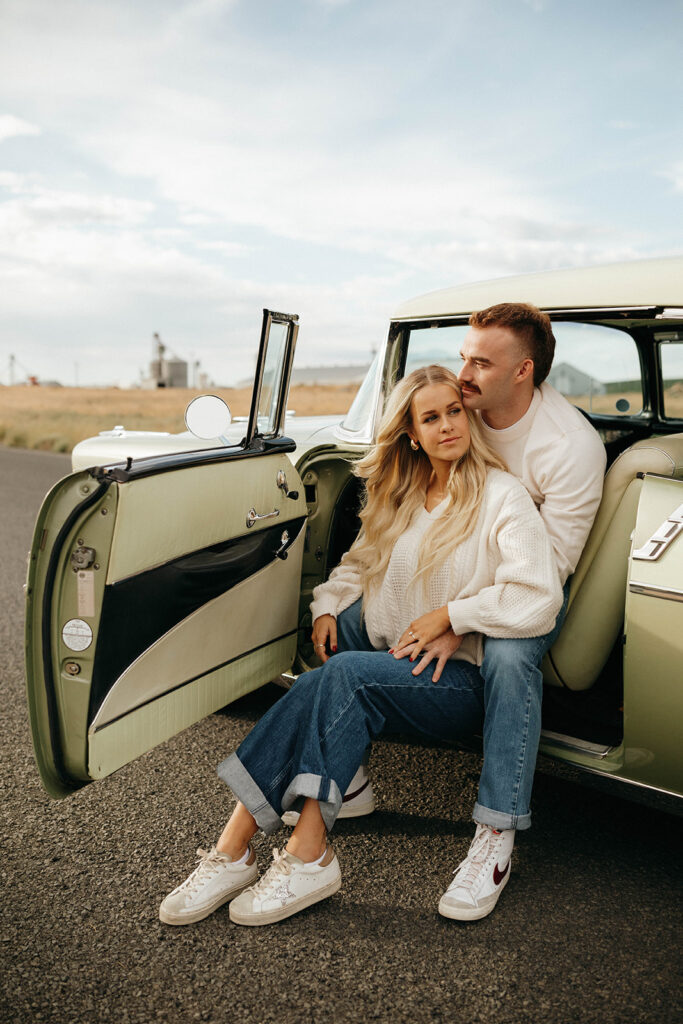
(475, 859)
(279, 869)
(210, 862)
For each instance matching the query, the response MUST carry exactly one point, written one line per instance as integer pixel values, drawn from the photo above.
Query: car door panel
(159, 605)
(237, 641)
(653, 694)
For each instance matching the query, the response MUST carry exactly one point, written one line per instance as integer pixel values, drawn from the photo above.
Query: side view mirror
(208, 417)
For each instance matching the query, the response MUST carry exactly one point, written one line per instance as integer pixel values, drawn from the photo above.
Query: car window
(272, 371)
(597, 368)
(671, 353)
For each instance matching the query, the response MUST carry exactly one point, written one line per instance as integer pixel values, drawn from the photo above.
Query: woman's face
(439, 423)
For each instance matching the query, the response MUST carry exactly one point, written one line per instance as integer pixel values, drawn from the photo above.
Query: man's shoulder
(559, 418)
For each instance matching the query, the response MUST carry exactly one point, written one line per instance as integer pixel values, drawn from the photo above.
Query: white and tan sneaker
(358, 800)
(214, 881)
(287, 887)
(481, 877)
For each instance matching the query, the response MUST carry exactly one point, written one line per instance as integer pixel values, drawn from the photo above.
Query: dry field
(55, 419)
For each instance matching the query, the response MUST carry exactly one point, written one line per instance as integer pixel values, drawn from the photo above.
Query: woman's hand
(324, 633)
(423, 630)
(440, 649)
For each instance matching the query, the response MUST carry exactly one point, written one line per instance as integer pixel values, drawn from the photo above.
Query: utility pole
(11, 370)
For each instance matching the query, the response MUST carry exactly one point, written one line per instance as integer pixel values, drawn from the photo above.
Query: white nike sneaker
(287, 887)
(213, 882)
(358, 800)
(481, 877)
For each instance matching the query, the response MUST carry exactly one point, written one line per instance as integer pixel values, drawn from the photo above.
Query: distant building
(351, 373)
(570, 381)
(163, 372)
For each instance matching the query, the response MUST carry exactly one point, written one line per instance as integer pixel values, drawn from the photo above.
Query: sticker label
(86, 593)
(77, 635)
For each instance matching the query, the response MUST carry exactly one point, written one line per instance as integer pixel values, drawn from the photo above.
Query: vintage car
(169, 576)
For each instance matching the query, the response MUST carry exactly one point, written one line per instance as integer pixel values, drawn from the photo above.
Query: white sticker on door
(86, 593)
(77, 635)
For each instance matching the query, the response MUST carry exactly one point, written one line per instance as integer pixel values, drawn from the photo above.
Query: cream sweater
(560, 459)
(502, 581)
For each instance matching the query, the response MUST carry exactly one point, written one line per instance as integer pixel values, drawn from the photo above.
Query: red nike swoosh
(498, 876)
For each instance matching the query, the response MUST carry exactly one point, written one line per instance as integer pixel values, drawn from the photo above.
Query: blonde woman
(448, 540)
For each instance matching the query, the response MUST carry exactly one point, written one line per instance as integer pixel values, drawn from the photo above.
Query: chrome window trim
(574, 311)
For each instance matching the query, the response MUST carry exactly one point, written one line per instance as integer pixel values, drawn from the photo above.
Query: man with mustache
(560, 458)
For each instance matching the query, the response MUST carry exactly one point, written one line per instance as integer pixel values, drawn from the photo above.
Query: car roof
(655, 282)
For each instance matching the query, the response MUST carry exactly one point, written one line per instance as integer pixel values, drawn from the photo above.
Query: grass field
(55, 419)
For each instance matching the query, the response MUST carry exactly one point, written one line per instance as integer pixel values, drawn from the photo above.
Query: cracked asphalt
(588, 930)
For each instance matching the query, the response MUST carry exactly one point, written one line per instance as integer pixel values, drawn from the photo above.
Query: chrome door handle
(253, 516)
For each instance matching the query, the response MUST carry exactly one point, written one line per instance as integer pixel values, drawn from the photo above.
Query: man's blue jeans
(513, 693)
(311, 742)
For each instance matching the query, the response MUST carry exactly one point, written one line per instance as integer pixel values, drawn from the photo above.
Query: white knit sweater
(502, 581)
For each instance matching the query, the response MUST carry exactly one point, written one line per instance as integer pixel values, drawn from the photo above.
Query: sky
(175, 166)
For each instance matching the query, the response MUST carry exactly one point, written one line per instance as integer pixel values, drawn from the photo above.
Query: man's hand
(439, 649)
(324, 633)
(425, 629)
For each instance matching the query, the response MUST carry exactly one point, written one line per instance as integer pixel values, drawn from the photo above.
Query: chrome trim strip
(567, 311)
(597, 750)
(648, 590)
(661, 538)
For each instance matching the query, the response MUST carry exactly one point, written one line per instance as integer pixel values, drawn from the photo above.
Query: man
(559, 457)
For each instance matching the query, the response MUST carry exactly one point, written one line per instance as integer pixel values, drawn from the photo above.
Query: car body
(169, 576)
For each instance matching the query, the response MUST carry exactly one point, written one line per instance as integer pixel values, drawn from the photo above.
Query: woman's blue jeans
(311, 742)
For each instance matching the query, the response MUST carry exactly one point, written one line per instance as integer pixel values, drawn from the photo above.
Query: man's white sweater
(560, 459)
(502, 581)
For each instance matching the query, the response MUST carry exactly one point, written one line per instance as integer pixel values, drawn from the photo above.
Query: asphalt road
(588, 930)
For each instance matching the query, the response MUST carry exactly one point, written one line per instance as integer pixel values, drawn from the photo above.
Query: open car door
(160, 590)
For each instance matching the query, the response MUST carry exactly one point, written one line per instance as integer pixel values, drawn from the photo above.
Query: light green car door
(161, 590)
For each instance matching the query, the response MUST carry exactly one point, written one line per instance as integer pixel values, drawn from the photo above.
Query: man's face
(492, 357)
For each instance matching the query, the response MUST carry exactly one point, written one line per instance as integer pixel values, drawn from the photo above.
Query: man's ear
(525, 370)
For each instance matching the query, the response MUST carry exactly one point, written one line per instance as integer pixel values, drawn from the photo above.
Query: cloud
(675, 175)
(11, 126)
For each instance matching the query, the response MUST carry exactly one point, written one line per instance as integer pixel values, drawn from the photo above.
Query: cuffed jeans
(311, 742)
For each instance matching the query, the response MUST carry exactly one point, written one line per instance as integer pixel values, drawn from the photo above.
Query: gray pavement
(587, 930)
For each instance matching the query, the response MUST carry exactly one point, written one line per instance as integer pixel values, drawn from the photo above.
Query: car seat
(597, 591)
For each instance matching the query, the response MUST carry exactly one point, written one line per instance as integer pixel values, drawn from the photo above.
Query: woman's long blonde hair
(397, 478)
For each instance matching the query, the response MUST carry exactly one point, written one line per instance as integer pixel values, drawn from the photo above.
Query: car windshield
(596, 366)
(359, 417)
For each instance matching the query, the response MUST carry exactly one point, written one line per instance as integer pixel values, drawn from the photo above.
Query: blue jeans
(513, 691)
(311, 742)
(512, 726)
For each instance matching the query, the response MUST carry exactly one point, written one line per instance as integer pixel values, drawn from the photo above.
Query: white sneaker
(358, 800)
(213, 882)
(287, 887)
(481, 877)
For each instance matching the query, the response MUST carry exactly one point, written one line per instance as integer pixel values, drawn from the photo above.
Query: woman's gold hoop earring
(414, 445)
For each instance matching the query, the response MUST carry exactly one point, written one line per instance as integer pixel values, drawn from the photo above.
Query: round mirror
(207, 417)
(623, 405)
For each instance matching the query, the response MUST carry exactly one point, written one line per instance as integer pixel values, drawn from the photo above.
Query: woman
(448, 540)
